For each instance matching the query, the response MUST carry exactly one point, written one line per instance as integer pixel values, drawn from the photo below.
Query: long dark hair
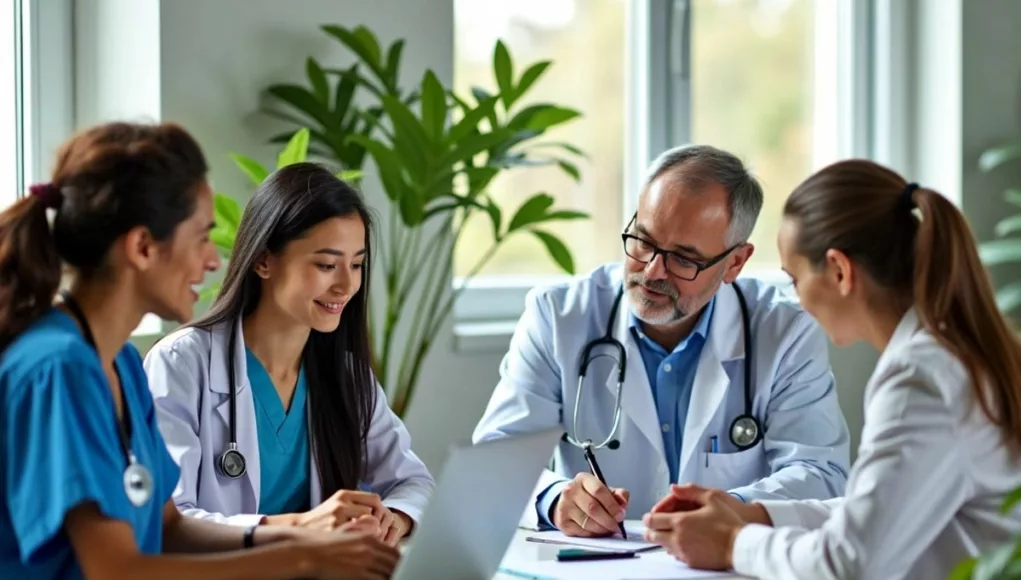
(866, 211)
(341, 387)
(107, 180)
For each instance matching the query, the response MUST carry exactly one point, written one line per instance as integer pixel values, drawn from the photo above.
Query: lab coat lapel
(219, 382)
(711, 379)
(637, 402)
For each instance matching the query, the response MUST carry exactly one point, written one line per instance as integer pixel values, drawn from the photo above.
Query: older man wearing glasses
(668, 369)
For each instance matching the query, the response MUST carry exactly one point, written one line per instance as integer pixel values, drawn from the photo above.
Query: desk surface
(522, 551)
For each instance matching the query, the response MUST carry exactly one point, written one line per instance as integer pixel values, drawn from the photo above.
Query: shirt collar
(701, 328)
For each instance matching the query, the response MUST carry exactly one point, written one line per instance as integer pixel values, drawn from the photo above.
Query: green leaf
(412, 208)
(223, 239)
(503, 69)
(565, 146)
(368, 40)
(1008, 298)
(434, 106)
(346, 85)
(1000, 251)
(358, 44)
(531, 211)
(303, 100)
(565, 214)
(410, 138)
(208, 294)
(1015, 496)
(1007, 226)
(495, 218)
(318, 79)
(252, 168)
(551, 116)
(993, 158)
(991, 565)
(963, 570)
(479, 178)
(472, 118)
(570, 169)
(296, 150)
(1012, 196)
(529, 77)
(393, 62)
(469, 147)
(226, 213)
(557, 250)
(388, 164)
(350, 175)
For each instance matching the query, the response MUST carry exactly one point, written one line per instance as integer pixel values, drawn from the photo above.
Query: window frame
(488, 305)
(45, 100)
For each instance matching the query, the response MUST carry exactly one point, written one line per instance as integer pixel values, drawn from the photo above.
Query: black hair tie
(906, 199)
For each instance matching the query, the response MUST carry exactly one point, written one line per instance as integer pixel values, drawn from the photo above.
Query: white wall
(215, 57)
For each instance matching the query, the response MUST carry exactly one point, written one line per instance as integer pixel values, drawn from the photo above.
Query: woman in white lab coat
(883, 261)
(268, 403)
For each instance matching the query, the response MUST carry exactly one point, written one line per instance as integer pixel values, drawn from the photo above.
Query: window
(783, 84)
(585, 40)
(10, 88)
(765, 86)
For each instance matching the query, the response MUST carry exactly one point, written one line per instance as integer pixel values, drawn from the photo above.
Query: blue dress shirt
(283, 443)
(671, 376)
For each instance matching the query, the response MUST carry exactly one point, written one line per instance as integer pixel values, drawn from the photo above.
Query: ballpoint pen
(591, 458)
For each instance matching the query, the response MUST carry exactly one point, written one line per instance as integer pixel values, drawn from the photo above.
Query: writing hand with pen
(588, 508)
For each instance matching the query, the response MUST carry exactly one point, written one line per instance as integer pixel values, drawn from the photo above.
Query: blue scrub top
(283, 443)
(59, 448)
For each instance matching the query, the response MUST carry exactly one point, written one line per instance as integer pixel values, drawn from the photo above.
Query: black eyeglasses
(644, 251)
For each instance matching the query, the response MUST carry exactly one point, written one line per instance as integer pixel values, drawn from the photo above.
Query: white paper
(645, 566)
(635, 539)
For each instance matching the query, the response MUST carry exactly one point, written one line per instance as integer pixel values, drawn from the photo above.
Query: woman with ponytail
(85, 478)
(880, 260)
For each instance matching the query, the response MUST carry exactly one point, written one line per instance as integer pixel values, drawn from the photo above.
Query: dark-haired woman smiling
(268, 403)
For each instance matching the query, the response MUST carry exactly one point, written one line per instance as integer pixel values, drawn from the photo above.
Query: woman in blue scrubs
(269, 403)
(85, 477)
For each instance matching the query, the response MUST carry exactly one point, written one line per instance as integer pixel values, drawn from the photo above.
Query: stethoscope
(138, 482)
(232, 463)
(745, 430)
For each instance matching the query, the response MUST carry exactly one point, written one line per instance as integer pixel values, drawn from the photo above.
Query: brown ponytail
(29, 266)
(931, 261)
(107, 180)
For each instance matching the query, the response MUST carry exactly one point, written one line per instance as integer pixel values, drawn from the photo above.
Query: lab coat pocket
(730, 470)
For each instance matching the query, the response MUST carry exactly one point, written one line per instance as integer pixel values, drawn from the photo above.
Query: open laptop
(474, 512)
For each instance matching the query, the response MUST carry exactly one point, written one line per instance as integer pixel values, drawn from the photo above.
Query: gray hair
(698, 164)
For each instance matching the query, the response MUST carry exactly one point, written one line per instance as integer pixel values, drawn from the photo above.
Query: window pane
(585, 40)
(764, 86)
(8, 106)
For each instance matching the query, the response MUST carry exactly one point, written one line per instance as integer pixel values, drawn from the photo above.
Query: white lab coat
(924, 493)
(804, 452)
(188, 373)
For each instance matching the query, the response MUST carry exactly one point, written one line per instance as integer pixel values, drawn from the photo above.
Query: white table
(522, 551)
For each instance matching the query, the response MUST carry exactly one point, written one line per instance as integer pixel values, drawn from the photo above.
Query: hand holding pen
(588, 508)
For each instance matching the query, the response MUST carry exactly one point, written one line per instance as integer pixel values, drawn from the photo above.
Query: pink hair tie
(47, 194)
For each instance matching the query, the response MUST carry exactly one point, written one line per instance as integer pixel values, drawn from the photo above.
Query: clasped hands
(354, 511)
(696, 525)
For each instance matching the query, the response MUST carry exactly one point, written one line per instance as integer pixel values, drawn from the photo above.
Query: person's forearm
(755, 513)
(193, 536)
(281, 560)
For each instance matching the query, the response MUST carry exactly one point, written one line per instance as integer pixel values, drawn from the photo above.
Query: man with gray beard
(667, 369)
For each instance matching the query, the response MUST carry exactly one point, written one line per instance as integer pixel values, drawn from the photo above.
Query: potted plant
(436, 155)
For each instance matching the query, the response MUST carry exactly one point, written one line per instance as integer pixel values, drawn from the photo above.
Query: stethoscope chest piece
(744, 431)
(232, 463)
(138, 484)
